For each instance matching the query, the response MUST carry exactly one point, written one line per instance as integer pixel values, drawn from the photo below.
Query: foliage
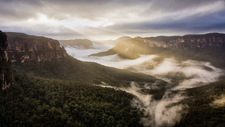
(40, 102)
(85, 72)
(3, 41)
(201, 113)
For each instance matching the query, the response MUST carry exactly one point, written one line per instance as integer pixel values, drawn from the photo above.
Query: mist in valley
(166, 108)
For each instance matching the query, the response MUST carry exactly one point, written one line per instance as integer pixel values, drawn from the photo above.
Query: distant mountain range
(77, 43)
(207, 47)
(52, 86)
(88, 44)
(44, 57)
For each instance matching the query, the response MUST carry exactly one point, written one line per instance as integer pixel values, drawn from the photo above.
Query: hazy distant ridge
(204, 47)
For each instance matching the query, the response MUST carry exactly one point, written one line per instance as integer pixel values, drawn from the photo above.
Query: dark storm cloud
(125, 16)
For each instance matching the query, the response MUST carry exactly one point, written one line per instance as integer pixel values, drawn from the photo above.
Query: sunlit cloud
(100, 19)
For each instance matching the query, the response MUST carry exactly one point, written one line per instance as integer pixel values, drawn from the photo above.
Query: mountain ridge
(204, 47)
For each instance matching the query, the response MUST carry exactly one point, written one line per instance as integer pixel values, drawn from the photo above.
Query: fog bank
(168, 110)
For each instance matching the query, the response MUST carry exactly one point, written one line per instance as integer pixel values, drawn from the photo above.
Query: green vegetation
(13, 36)
(61, 93)
(201, 112)
(40, 102)
(85, 72)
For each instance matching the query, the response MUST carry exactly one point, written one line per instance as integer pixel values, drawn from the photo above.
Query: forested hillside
(39, 102)
(206, 106)
(85, 72)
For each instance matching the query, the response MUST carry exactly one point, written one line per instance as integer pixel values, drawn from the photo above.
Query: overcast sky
(109, 19)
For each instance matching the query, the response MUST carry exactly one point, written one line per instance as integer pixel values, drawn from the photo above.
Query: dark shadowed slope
(86, 72)
(206, 106)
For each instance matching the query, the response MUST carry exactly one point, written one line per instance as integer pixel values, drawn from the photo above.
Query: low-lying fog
(183, 74)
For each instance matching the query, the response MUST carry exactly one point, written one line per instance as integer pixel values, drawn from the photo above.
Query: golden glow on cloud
(98, 19)
(71, 22)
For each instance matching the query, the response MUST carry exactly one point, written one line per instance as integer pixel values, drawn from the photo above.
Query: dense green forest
(201, 111)
(85, 72)
(61, 93)
(33, 101)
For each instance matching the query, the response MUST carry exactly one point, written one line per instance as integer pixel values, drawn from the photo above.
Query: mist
(168, 110)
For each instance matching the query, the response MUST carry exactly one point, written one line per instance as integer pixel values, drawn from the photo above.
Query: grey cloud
(117, 10)
(14, 9)
(214, 22)
(53, 8)
(178, 5)
(92, 8)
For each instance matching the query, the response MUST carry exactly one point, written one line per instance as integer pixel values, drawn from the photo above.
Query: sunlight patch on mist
(157, 113)
(219, 102)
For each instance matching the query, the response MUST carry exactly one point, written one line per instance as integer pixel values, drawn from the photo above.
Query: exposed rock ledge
(25, 48)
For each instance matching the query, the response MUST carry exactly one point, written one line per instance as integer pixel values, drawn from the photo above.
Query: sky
(110, 19)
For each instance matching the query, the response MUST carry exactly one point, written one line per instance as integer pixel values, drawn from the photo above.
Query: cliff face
(212, 40)
(189, 42)
(24, 48)
(207, 47)
(5, 66)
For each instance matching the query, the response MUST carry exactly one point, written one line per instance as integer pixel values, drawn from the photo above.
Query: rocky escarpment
(207, 47)
(5, 66)
(213, 40)
(190, 42)
(24, 48)
(142, 45)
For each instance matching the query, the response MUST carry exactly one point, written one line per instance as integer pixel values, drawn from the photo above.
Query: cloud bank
(101, 19)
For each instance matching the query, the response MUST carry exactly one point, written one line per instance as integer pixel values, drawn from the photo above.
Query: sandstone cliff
(212, 40)
(5, 66)
(25, 48)
(189, 42)
(207, 47)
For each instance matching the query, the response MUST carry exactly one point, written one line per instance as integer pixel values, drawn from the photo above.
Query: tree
(3, 41)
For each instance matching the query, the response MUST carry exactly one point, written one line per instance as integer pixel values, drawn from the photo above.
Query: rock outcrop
(212, 40)
(5, 65)
(140, 45)
(26, 48)
(207, 47)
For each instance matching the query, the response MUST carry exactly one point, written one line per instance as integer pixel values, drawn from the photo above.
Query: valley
(112, 63)
(153, 89)
(164, 108)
